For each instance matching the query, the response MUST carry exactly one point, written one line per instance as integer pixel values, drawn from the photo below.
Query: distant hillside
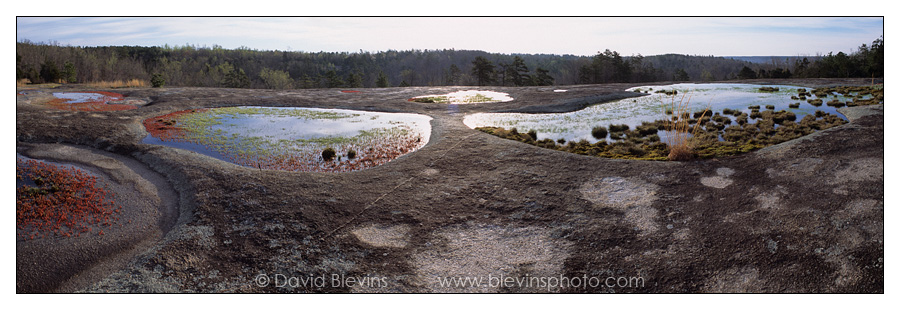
(772, 59)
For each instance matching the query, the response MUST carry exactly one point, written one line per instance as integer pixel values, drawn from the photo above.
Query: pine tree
(746, 73)
(382, 80)
(483, 70)
(236, 78)
(69, 73)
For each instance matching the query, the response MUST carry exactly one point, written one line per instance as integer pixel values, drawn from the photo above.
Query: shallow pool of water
(83, 97)
(467, 97)
(577, 125)
(292, 138)
(89, 101)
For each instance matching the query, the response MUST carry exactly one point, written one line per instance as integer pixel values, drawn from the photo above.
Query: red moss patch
(100, 104)
(165, 127)
(349, 91)
(55, 200)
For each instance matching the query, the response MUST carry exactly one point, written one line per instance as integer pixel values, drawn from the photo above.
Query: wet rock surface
(802, 216)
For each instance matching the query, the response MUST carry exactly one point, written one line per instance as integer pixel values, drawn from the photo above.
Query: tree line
(249, 68)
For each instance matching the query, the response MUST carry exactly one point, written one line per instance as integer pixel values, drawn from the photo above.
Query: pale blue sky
(722, 36)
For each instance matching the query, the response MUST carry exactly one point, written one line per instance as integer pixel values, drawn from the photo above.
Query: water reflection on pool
(292, 138)
(89, 101)
(575, 126)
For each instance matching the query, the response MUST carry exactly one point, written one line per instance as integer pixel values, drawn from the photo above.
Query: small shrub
(795, 105)
(618, 128)
(328, 154)
(835, 103)
(680, 153)
(646, 129)
(722, 119)
(599, 132)
(533, 134)
(351, 154)
(157, 80)
(770, 107)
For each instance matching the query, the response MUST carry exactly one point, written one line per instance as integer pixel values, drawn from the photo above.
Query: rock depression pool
(577, 125)
(292, 139)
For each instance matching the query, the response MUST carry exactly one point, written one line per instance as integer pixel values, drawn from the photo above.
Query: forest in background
(249, 68)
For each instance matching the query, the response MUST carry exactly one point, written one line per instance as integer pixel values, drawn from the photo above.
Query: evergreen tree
(236, 78)
(681, 75)
(354, 80)
(69, 73)
(332, 80)
(483, 71)
(517, 72)
(542, 77)
(746, 73)
(382, 80)
(49, 72)
(453, 75)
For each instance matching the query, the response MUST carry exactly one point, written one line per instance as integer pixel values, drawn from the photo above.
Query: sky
(719, 36)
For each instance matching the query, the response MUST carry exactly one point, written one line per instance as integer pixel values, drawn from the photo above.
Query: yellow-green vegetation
(752, 136)
(476, 98)
(435, 99)
(707, 134)
(678, 141)
(667, 92)
(703, 137)
(862, 95)
(632, 146)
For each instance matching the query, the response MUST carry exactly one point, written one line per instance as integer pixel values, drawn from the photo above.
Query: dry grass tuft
(22, 82)
(119, 84)
(680, 129)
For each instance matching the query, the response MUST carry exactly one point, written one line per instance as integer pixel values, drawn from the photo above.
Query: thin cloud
(566, 35)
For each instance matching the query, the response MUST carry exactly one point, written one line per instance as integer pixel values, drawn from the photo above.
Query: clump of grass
(618, 128)
(768, 89)
(351, 154)
(770, 107)
(680, 130)
(599, 132)
(436, 99)
(533, 134)
(795, 105)
(835, 103)
(667, 92)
